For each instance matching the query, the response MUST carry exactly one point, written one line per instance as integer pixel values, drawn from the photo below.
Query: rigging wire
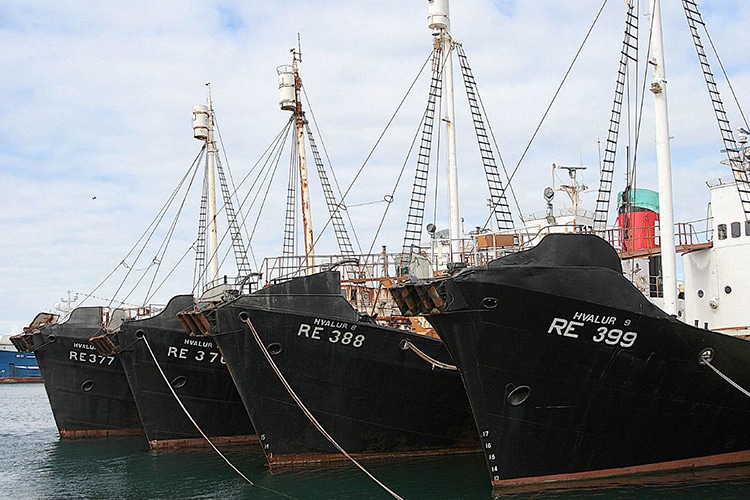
(549, 107)
(726, 76)
(388, 198)
(147, 233)
(307, 412)
(198, 428)
(341, 207)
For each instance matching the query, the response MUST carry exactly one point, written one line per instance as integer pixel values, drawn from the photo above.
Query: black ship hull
(372, 396)
(196, 372)
(88, 392)
(573, 374)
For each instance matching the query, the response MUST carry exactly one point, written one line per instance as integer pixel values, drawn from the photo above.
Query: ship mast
(438, 19)
(290, 99)
(203, 130)
(299, 117)
(663, 162)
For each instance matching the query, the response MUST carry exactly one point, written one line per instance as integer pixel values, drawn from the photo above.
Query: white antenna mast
(438, 19)
(664, 163)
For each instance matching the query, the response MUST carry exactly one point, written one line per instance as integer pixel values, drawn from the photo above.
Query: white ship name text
(90, 357)
(604, 334)
(594, 318)
(80, 345)
(197, 355)
(338, 335)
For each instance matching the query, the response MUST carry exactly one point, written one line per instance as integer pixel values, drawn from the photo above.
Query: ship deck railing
(642, 241)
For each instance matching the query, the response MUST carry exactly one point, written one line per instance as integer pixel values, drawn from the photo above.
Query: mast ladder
(200, 243)
(334, 208)
(734, 154)
(499, 202)
(628, 53)
(288, 249)
(240, 252)
(415, 218)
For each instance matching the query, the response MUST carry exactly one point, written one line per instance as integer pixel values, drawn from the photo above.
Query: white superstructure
(717, 279)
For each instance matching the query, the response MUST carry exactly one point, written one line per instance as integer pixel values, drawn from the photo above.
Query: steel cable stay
(627, 54)
(497, 148)
(334, 207)
(147, 234)
(198, 245)
(735, 155)
(170, 231)
(267, 160)
(501, 209)
(235, 223)
(198, 427)
(415, 216)
(341, 205)
(164, 244)
(240, 252)
(271, 157)
(388, 199)
(726, 77)
(246, 319)
(289, 247)
(549, 107)
(234, 189)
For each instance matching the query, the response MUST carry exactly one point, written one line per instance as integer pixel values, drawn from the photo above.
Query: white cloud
(97, 102)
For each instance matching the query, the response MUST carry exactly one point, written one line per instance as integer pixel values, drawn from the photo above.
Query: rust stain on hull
(14, 380)
(69, 434)
(169, 444)
(715, 466)
(307, 459)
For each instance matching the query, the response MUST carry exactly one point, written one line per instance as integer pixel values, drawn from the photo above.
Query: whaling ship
(88, 392)
(573, 372)
(181, 385)
(320, 379)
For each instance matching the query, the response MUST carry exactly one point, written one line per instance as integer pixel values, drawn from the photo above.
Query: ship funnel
(438, 15)
(286, 88)
(200, 122)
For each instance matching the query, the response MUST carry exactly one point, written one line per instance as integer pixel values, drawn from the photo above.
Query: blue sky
(97, 102)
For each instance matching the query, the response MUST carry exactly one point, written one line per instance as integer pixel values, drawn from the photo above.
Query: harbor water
(36, 464)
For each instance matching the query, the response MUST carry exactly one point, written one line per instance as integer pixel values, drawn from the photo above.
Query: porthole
(700, 294)
(179, 381)
(518, 395)
(87, 385)
(490, 302)
(727, 289)
(274, 348)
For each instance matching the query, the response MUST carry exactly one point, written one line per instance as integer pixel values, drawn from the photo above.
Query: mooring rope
(307, 412)
(730, 381)
(177, 398)
(405, 344)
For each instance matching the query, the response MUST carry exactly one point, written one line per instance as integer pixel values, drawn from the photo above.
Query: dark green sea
(34, 463)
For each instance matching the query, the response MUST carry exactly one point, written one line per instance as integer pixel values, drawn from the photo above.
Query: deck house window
(722, 231)
(736, 231)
